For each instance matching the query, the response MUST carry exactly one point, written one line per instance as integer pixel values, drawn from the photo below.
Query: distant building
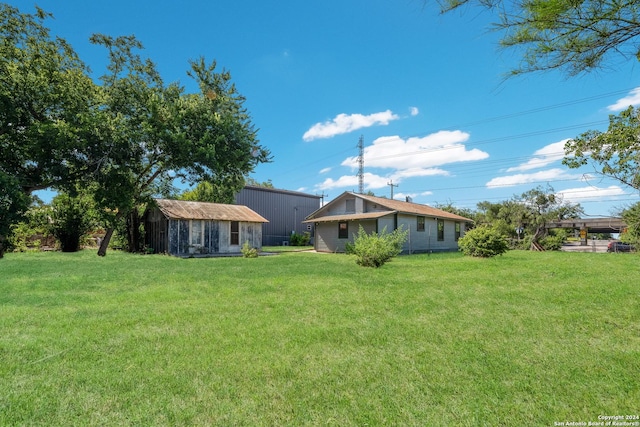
(285, 210)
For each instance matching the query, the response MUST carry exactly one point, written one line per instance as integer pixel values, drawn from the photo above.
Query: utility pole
(361, 165)
(322, 196)
(391, 184)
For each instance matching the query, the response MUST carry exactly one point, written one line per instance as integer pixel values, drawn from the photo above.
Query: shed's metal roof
(181, 209)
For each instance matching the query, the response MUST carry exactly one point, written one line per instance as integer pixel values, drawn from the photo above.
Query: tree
(616, 152)
(542, 205)
(159, 133)
(46, 101)
(205, 191)
(71, 218)
(631, 216)
(526, 214)
(574, 36)
(253, 182)
(47, 105)
(13, 203)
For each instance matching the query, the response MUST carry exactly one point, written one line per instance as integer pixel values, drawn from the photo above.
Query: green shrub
(72, 218)
(373, 250)
(483, 241)
(33, 232)
(552, 243)
(248, 251)
(300, 239)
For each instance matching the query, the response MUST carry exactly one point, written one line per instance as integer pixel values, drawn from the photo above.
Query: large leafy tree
(574, 36)
(160, 133)
(46, 103)
(526, 214)
(541, 206)
(614, 153)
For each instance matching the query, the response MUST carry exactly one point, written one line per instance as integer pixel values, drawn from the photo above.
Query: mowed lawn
(313, 339)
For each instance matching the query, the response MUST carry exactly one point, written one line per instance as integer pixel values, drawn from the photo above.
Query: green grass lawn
(312, 339)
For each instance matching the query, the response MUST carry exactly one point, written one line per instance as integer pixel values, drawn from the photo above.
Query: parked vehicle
(620, 247)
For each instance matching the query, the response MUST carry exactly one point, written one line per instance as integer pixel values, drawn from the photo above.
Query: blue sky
(424, 91)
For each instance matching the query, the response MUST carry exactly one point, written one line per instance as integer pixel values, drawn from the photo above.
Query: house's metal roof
(414, 208)
(394, 206)
(351, 217)
(182, 209)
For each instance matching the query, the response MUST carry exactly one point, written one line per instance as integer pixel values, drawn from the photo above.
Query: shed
(185, 228)
(430, 229)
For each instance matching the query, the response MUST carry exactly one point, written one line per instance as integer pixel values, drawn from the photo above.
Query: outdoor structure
(284, 209)
(583, 226)
(430, 229)
(183, 228)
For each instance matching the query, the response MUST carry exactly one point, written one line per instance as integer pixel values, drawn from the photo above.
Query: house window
(351, 206)
(343, 230)
(234, 238)
(457, 231)
(420, 224)
(440, 230)
(196, 230)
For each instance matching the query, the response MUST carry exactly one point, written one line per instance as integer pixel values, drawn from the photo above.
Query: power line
(492, 140)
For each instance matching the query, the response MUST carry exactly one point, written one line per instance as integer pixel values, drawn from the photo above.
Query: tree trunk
(541, 231)
(2, 238)
(102, 251)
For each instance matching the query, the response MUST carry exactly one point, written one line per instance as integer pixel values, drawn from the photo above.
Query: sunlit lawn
(313, 339)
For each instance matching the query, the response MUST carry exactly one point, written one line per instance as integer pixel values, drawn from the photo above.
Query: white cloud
(583, 194)
(426, 193)
(542, 157)
(342, 182)
(414, 172)
(403, 196)
(519, 179)
(414, 111)
(632, 99)
(325, 170)
(345, 123)
(433, 150)
(350, 182)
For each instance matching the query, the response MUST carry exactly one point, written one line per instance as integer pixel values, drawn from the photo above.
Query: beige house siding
(377, 214)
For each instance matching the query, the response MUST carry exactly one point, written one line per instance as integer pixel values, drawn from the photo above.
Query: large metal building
(285, 210)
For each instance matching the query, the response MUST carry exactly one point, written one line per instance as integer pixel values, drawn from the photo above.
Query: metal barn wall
(284, 209)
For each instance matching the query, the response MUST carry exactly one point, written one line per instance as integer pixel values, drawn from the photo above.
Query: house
(284, 209)
(430, 229)
(184, 228)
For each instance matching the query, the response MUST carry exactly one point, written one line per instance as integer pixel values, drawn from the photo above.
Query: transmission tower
(361, 165)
